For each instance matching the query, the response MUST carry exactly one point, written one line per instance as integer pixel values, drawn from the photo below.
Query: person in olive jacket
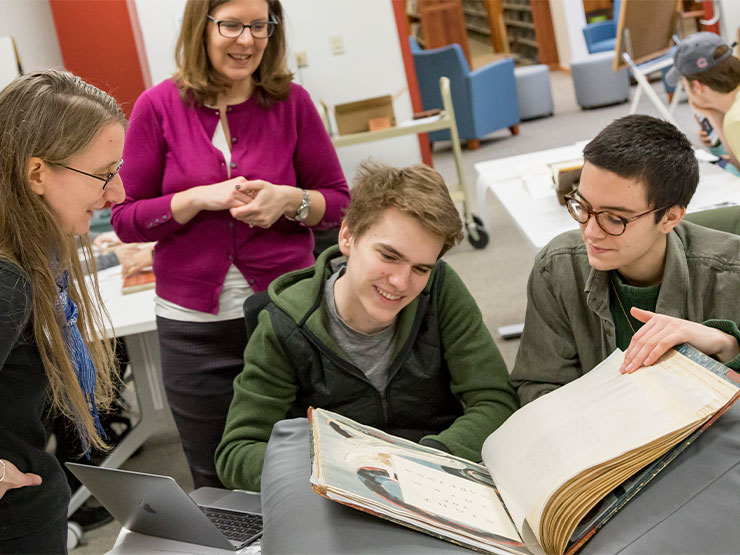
(636, 276)
(392, 339)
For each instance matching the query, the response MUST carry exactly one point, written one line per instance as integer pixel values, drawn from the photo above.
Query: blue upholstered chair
(485, 99)
(602, 36)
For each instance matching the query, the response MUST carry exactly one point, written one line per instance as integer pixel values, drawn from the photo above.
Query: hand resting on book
(662, 332)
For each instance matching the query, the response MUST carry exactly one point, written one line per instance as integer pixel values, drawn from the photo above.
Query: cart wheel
(477, 234)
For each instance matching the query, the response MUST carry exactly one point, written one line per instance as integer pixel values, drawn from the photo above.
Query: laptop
(157, 506)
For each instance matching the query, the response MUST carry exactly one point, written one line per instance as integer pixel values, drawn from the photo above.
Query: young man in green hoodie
(635, 276)
(392, 339)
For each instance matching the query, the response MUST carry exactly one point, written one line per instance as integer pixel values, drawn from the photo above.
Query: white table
(133, 318)
(540, 219)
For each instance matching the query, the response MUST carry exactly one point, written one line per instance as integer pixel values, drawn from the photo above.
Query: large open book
(554, 472)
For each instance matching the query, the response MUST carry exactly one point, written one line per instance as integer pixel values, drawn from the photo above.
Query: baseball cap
(695, 54)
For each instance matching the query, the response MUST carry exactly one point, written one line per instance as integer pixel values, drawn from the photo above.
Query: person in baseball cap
(711, 75)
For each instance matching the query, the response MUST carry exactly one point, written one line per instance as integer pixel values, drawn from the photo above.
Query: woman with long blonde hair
(61, 141)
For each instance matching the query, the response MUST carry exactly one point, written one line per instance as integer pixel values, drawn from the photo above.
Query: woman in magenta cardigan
(228, 166)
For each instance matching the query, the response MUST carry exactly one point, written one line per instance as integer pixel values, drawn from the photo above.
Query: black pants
(199, 364)
(51, 539)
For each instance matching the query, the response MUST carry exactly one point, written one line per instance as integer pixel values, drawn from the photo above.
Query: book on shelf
(552, 474)
(138, 281)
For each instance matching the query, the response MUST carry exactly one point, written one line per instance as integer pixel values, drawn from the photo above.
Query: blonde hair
(417, 190)
(54, 115)
(195, 76)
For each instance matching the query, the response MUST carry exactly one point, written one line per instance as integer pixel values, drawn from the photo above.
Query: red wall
(399, 11)
(101, 42)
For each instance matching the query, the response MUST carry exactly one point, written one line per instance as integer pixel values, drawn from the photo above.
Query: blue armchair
(602, 36)
(485, 100)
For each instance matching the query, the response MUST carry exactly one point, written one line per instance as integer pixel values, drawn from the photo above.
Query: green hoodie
(447, 384)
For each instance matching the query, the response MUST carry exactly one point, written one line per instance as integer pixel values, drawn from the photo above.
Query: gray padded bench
(693, 506)
(533, 91)
(596, 83)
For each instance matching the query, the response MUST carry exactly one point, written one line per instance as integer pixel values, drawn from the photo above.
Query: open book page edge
(340, 482)
(419, 525)
(567, 509)
(641, 479)
(614, 503)
(316, 482)
(525, 499)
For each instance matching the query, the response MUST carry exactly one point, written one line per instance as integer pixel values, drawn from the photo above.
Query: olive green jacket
(569, 329)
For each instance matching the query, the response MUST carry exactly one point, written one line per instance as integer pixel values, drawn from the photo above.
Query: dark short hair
(723, 77)
(651, 151)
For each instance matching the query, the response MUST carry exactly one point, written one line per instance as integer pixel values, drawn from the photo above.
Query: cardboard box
(354, 117)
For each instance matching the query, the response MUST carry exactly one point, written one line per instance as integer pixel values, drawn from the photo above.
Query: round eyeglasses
(230, 29)
(611, 224)
(107, 179)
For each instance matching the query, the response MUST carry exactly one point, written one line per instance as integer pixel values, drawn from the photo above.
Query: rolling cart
(476, 231)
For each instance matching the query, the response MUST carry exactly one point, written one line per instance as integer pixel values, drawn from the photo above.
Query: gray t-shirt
(370, 352)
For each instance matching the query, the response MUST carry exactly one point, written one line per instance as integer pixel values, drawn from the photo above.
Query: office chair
(253, 305)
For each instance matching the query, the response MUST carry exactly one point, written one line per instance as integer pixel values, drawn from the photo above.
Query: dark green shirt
(625, 325)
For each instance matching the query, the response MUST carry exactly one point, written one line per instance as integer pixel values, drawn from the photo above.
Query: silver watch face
(304, 209)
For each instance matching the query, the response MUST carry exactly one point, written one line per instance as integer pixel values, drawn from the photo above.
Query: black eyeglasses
(612, 224)
(107, 179)
(231, 29)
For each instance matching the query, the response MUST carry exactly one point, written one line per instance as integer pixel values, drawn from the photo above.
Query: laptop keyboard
(236, 526)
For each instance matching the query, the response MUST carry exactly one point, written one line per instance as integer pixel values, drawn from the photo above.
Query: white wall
(30, 23)
(160, 24)
(568, 21)
(371, 65)
(729, 20)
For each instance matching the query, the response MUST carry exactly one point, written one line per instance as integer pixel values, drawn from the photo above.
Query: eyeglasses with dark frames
(231, 29)
(107, 179)
(611, 224)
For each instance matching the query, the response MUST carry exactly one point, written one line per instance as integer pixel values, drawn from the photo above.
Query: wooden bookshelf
(529, 30)
(436, 23)
(484, 18)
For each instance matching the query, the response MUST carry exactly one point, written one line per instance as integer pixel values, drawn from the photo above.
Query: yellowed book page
(594, 419)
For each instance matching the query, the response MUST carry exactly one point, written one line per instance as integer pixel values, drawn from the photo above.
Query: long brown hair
(54, 115)
(195, 76)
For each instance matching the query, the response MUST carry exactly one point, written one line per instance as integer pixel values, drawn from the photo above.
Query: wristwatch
(304, 208)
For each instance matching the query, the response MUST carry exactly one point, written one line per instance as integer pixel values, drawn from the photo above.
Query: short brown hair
(417, 190)
(195, 76)
(723, 77)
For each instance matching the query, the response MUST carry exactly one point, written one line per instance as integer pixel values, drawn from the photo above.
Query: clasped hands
(662, 332)
(255, 202)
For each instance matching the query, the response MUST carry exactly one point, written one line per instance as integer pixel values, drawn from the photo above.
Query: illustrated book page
(420, 487)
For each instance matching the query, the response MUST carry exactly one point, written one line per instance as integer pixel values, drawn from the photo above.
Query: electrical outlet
(336, 42)
(301, 58)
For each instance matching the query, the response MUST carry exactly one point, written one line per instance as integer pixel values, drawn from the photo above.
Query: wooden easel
(645, 34)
